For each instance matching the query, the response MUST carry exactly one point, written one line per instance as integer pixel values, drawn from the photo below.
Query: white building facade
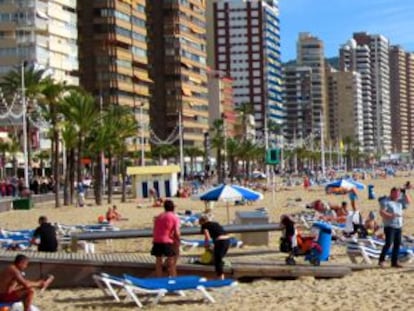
(369, 55)
(42, 33)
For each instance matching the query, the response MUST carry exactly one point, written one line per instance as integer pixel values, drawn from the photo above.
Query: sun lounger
(107, 283)
(112, 285)
(369, 253)
(161, 286)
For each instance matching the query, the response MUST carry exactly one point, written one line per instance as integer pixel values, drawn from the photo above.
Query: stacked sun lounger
(19, 240)
(157, 288)
(370, 249)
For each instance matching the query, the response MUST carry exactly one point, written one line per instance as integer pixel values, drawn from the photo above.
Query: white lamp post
(141, 120)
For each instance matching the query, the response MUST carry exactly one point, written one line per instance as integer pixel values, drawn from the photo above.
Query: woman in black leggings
(214, 231)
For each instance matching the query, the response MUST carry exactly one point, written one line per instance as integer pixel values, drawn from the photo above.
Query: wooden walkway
(76, 269)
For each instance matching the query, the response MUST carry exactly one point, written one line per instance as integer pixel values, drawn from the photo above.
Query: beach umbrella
(358, 185)
(341, 183)
(230, 193)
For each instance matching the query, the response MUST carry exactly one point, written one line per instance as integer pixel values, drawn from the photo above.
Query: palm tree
(164, 152)
(4, 147)
(14, 148)
(52, 94)
(193, 152)
(244, 110)
(34, 79)
(118, 124)
(81, 110)
(233, 153)
(70, 141)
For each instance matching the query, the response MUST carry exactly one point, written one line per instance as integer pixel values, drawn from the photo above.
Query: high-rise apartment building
(353, 57)
(345, 107)
(298, 103)
(380, 88)
(221, 105)
(310, 53)
(113, 57)
(42, 33)
(399, 99)
(410, 99)
(245, 43)
(177, 53)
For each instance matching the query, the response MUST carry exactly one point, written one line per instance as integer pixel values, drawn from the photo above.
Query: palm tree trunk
(56, 166)
(72, 174)
(123, 174)
(66, 199)
(79, 162)
(219, 166)
(110, 178)
(98, 180)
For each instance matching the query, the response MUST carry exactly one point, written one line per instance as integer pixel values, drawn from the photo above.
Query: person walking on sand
(166, 239)
(15, 287)
(214, 231)
(391, 212)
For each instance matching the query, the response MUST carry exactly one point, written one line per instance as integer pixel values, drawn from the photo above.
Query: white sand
(368, 290)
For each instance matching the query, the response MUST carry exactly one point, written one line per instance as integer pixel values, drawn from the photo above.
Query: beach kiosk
(163, 179)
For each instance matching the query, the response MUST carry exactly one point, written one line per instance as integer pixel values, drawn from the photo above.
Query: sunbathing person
(112, 214)
(372, 227)
(15, 287)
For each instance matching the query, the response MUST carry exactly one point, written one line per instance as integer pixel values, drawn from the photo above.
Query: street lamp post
(181, 138)
(225, 149)
(24, 125)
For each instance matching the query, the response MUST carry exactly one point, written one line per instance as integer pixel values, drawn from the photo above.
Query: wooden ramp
(76, 269)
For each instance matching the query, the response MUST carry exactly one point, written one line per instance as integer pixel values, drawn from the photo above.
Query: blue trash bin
(371, 193)
(324, 240)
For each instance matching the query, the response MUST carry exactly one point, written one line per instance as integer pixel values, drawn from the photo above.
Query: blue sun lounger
(161, 286)
(112, 285)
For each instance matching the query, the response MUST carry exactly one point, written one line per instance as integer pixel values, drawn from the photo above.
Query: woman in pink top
(166, 239)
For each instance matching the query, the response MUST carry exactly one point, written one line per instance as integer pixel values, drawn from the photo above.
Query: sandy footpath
(386, 289)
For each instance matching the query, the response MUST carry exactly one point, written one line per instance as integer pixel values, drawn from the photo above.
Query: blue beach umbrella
(346, 184)
(358, 185)
(230, 193)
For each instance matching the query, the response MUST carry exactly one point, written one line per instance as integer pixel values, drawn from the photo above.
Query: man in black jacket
(45, 236)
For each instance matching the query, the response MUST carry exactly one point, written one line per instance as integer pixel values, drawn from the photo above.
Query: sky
(334, 22)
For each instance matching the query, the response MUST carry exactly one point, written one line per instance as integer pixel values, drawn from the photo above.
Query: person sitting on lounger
(372, 227)
(45, 236)
(15, 287)
(214, 231)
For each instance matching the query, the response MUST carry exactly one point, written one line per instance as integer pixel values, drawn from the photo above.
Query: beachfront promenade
(76, 269)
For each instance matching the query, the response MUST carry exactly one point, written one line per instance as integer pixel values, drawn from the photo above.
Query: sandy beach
(377, 289)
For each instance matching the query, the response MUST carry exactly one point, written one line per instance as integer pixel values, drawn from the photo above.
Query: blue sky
(334, 22)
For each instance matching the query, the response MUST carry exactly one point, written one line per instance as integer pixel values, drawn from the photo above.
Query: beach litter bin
(323, 231)
(22, 204)
(371, 193)
(253, 218)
